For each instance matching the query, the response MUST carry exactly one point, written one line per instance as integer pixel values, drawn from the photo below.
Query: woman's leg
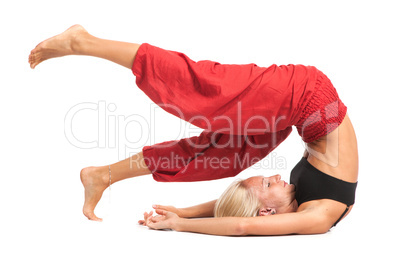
(174, 76)
(96, 180)
(230, 98)
(77, 41)
(209, 156)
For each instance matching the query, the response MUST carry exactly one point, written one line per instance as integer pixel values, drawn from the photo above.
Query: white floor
(41, 225)
(65, 239)
(45, 227)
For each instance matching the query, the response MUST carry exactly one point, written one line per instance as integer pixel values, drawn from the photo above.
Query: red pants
(246, 111)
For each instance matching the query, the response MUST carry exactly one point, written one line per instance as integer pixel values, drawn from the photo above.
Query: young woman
(246, 111)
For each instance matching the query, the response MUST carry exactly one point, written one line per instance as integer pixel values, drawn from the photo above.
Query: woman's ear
(267, 211)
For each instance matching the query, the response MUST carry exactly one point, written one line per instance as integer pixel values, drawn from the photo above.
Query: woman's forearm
(215, 226)
(199, 211)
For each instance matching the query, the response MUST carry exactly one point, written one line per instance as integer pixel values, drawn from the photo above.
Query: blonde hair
(237, 201)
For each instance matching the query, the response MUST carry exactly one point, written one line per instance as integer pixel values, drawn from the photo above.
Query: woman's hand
(164, 220)
(178, 211)
(147, 217)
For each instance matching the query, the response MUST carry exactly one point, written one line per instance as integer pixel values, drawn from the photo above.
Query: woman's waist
(321, 110)
(336, 154)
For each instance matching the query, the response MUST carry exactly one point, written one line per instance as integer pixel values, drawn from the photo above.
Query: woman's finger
(143, 222)
(146, 216)
(161, 212)
(148, 220)
(167, 208)
(157, 218)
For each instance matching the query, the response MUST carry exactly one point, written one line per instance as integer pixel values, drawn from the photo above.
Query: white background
(356, 43)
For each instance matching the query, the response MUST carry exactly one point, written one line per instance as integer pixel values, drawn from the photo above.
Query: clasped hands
(166, 218)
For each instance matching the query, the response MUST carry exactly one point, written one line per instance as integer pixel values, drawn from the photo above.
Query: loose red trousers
(246, 111)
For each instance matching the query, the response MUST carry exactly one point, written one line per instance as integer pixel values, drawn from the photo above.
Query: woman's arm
(197, 211)
(280, 224)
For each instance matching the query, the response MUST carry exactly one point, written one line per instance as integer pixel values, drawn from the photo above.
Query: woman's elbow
(241, 228)
(318, 228)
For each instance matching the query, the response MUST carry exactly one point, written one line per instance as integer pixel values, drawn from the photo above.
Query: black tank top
(313, 184)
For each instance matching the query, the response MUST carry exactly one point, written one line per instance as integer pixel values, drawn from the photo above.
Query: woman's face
(273, 192)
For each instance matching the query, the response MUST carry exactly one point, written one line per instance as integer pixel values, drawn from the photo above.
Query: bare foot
(95, 181)
(60, 45)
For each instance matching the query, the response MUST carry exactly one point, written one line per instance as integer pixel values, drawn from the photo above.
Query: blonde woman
(246, 112)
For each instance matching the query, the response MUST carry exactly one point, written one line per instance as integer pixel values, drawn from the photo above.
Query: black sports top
(312, 184)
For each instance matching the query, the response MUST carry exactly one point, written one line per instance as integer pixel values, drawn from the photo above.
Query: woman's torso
(335, 154)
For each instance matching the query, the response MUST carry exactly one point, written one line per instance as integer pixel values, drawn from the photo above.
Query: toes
(91, 216)
(31, 59)
(94, 218)
(34, 59)
(33, 64)
(36, 56)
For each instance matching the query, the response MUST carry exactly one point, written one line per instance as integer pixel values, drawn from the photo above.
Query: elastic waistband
(323, 113)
